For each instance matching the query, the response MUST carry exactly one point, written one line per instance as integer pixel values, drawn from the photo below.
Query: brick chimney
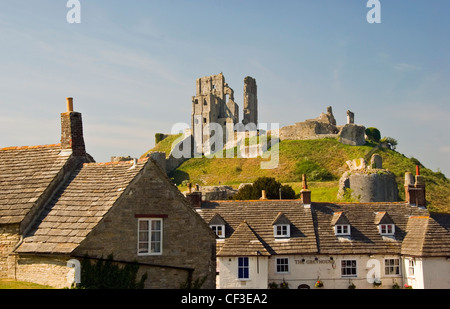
(305, 193)
(415, 189)
(195, 198)
(72, 131)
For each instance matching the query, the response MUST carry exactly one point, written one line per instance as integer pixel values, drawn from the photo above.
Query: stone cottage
(57, 206)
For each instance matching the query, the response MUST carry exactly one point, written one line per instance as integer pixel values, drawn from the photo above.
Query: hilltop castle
(214, 105)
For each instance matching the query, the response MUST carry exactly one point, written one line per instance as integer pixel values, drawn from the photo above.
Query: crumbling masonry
(214, 104)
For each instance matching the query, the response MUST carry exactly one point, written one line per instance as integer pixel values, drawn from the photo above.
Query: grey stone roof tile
(25, 173)
(79, 206)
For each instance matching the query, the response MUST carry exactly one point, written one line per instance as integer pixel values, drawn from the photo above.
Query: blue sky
(131, 67)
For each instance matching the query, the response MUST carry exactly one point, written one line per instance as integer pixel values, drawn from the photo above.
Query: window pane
(143, 225)
(149, 236)
(156, 225)
(243, 269)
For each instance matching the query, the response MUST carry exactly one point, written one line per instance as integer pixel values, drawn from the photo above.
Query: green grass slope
(324, 161)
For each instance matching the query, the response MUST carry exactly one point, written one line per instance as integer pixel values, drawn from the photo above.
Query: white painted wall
(228, 273)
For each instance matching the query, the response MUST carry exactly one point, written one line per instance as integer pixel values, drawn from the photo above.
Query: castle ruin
(214, 105)
(325, 126)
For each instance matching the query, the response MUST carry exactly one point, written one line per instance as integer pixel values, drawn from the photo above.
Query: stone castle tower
(214, 104)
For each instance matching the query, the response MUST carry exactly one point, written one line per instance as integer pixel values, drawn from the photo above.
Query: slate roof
(25, 174)
(428, 236)
(259, 217)
(249, 224)
(244, 242)
(79, 206)
(365, 237)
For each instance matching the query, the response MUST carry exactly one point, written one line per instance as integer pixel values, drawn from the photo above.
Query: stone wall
(325, 126)
(45, 270)
(9, 237)
(368, 183)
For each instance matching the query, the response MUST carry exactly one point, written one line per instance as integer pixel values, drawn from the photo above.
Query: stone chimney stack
(305, 193)
(415, 189)
(72, 131)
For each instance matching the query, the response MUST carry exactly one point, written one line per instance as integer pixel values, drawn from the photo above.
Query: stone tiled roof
(79, 206)
(244, 242)
(249, 228)
(25, 174)
(365, 237)
(428, 236)
(259, 217)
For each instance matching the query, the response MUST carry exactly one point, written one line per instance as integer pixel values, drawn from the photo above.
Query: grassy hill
(322, 160)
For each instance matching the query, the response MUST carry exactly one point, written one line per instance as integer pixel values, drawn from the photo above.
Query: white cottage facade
(275, 244)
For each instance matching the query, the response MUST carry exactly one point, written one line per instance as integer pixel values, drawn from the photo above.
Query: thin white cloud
(445, 149)
(406, 67)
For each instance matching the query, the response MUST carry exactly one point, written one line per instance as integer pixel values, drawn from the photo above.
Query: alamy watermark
(374, 15)
(74, 14)
(213, 140)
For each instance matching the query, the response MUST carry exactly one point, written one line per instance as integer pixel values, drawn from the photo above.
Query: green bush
(373, 135)
(270, 185)
(104, 274)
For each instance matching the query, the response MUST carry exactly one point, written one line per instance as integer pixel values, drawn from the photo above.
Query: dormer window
(217, 224)
(342, 229)
(386, 225)
(387, 229)
(281, 230)
(219, 230)
(281, 226)
(341, 224)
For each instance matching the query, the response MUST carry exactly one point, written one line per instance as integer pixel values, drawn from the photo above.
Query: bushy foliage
(373, 135)
(104, 274)
(270, 185)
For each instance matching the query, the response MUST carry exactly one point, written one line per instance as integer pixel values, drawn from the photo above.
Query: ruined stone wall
(214, 104)
(325, 126)
(369, 183)
(250, 101)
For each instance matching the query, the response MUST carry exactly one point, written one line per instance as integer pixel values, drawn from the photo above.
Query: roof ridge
(129, 162)
(29, 147)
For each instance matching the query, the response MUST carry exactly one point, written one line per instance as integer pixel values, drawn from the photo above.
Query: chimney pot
(305, 193)
(72, 131)
(69, 105)
(263, 195)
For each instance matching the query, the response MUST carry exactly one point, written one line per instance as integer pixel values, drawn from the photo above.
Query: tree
(390, 142)
(270, 185)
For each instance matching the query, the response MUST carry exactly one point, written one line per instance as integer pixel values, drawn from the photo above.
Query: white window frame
(282, 230)
(150, 235)
(392, 269)
(349, 266)
(387, 229)
(243, 267)
(342, 229)
(216, 228)
(282, 263)
(411, 268)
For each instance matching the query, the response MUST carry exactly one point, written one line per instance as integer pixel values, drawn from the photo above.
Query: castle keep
(214, 105)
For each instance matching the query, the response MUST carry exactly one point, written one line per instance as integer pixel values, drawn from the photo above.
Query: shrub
(270, 185)
(373, 135)
(106, 275)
